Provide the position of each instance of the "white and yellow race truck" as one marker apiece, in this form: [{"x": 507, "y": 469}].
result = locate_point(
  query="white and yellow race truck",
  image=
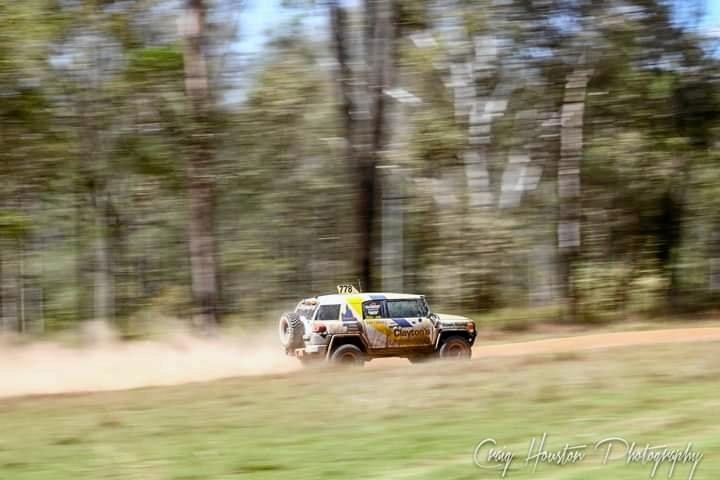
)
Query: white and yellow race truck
[{"x": 351, "y": 327}]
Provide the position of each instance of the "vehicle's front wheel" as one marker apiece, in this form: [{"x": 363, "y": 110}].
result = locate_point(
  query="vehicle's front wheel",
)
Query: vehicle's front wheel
[
  {"x": 348, "y": 355},
  {"x": 455, "y": 347}
]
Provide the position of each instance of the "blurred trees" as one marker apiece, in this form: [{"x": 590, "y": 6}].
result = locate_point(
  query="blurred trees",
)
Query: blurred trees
[{"x": 513, "y": 154}]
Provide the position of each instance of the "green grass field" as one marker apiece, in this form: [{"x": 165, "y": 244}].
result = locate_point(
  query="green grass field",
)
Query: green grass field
[{"x": 390, "y": 422}]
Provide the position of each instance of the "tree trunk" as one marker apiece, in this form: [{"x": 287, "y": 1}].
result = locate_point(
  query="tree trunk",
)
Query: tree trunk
[
  {"x": 9, "y": 285},
  {"x": 81, "y": 283},
  {"x": 94, "y": 255},
  {"x": 35, "y": 275},
  {"x": 2, "y": 292},
  {"x": 201, "y": 231},
  {"x": 364, "y": 113},
  {"x": 568, "y": 184},
  {"x": 103, "y": 281},
  {"x": 714, "y": 254}
]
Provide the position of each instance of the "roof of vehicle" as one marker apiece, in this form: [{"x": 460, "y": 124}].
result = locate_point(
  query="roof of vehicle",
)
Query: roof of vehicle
[{"x": 340, "y": 298}]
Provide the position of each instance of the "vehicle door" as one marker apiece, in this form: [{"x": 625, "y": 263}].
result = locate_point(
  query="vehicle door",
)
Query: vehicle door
[
  {"x": 377, "y": 329},
  {"x": 409, "y": 323}
]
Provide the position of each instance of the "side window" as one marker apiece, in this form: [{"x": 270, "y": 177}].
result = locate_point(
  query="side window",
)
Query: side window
[
  {"x": 328, "y": 312},
  {"x": 406, "y": 308},
  {"x": 373, "y": 309}
]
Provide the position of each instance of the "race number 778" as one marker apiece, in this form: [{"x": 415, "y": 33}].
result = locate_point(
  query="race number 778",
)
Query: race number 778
[{"x": 342, "y": 289}]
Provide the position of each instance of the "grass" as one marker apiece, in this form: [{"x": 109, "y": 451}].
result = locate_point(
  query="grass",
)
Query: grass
[
  {"x": 412, "y": 422},
  {"x": 520, "y": 320}
]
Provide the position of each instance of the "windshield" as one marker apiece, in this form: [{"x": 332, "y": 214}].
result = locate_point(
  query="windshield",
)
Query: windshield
[{"x": 406, "y": 308}]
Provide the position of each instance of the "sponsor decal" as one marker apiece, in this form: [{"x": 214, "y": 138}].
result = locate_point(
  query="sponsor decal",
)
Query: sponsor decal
[
  {"x": 401, "y": 322},
  {"x": 400, "y": 332}
]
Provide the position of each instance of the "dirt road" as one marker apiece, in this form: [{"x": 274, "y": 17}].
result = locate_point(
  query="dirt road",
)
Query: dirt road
[
  {"x": 48, "y": 368},
  {"x": 599, "y": 341}
]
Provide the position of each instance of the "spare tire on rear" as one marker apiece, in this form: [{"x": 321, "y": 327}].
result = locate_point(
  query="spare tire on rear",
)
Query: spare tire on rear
[{"x": 291, "y": 331}]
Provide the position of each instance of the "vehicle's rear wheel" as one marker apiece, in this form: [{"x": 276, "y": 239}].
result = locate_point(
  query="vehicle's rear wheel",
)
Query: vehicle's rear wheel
[
  {"x": 455, "y": 347},
  {"x": 291, "y": 331},
  {"x": 348, "y": 355}
]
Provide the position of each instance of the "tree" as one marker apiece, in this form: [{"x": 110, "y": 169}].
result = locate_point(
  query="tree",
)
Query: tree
[
  {"x": 201, "y": 185},
  {"x": 568, "y": 179},
  {"x": 362, "y": 83}
]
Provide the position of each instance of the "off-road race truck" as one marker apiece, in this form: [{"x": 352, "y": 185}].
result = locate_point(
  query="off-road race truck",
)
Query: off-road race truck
[{"x": 351, "y": 327}]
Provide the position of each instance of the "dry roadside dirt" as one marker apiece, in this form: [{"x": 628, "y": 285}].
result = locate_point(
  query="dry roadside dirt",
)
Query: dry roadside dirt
[
  {"x": 49, "y": 368},
  {"x": 599, "y": 341}
]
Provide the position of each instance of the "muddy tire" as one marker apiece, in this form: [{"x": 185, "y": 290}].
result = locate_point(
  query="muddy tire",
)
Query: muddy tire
[
  {"x": 455, "y": 348},
  {"x": 348, "y": 355},
  {"x": 291, "y": 331}
]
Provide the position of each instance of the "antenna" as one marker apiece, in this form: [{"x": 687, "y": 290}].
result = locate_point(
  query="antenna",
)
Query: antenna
[{"x": 360, "y": 287}]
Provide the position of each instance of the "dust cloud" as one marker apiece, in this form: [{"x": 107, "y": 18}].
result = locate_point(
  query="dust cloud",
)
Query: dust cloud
[
  {"x": 98, "y": 361},
  {"x": 101, "y": 362}
]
